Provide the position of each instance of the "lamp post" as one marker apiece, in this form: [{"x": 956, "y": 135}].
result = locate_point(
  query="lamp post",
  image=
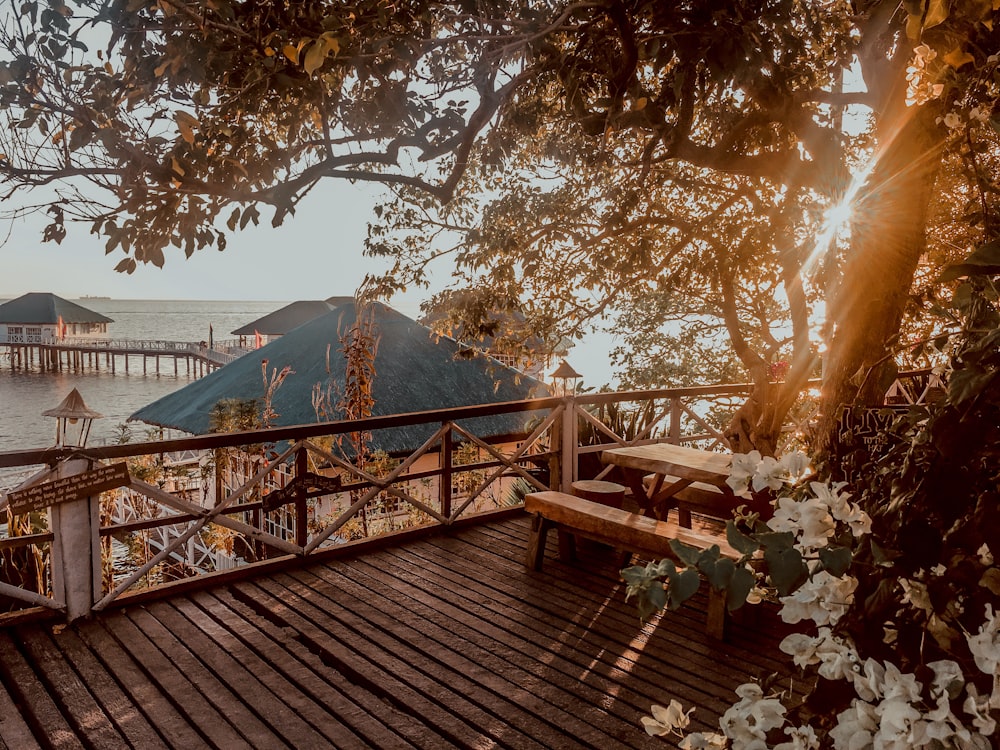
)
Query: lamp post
[
  {"x": 565, "y": 379},
  {"x": 73, "y": 421},
  {"x": 75, "y": 524}
]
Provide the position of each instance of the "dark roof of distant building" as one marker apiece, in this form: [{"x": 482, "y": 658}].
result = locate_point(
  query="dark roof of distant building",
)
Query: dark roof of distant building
[
  {"x": 287, "y": 318},
  {"x": 415, "y": 371},
  {"x": 43, "y": 308}
]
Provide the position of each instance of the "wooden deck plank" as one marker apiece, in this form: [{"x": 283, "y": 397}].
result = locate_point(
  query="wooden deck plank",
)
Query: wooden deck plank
[
  {"x": 178, "y": 687},
  {"x": 439, "y": 703},
  {"x": 508, "y": 692},
  {"x": 121, "y": 709},
  {"x": 354, "y": 718},
  {"x": 32, "y": 697},
  {"x": 14, "y": 731},
  {"x": 549, "y": 692},
  {"x": 595, "y": 653},
  {"x": 157, "y": 705},
  {"x": 440, "y": 642},
  {"x": 89, "y": 719},
  {"x": 350, "y": 718},
  {"x": 245, "y": 702}
]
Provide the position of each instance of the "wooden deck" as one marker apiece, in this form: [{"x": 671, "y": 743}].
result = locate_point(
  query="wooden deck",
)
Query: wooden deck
[{"x": 440, "y": 642}]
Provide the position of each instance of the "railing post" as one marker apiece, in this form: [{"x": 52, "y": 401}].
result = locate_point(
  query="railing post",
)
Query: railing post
[
  {"x": 76, "y": 547},
  {"x": 570, "y": 441},
  {"x": 675, "y": 420},
  {"x": 444, "y": 491},
  {"x": 301, "y": 522}
]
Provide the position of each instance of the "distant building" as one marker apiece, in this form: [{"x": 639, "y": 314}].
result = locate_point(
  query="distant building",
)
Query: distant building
[
  {"x": 416, "y": 370},
  {"x": 276, "y": 324},
  {"x": 44, "y": 318}
]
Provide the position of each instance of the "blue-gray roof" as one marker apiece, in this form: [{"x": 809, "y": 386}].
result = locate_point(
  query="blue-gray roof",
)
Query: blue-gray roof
[
  {"x": 290, "y": 316},
  {"x": 43, "y": 308},
  {"x": 416, "y": 370}
]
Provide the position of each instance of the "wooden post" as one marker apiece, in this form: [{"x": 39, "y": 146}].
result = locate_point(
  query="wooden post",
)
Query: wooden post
[
  {"x": 569, "y": 443},
  {"x": 301, "y": 525},
  {"x": 675, "y": 420},
  {"x": 76, "y": 547},
  {"x": 444, "y": 491}
]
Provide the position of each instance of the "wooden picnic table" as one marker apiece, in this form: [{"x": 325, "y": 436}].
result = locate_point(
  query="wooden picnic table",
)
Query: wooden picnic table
[{"x": 662, "y": 476}]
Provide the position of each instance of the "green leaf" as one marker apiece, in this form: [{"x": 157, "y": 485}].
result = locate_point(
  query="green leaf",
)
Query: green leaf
[
  {"x": 685, "y": 552},
  {"x": 786, "y": 568},
  {"x": 984, "y": 260},
  {"x": 836, "y": 560},
  {"x": 634, "y": 575},
  {"x": 657, "y": 597},
  {"x": 707, "y": 559},
  {"x": 776, "y": 540},
  {"x": 315, "y": 56},
  {"x": 968, "y": 383},
  {"x": 740, "y": 541},
  {"x": 739, "y": 588},
  {"x": 720, "y": 574},
  {"x": 682, "y": 587}
]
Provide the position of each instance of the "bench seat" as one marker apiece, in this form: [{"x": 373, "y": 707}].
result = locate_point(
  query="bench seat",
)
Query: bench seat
[{"x": 574, "y": 516}]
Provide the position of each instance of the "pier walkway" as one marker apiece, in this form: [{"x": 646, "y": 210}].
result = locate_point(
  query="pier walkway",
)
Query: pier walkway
[{"x": 82, "y": 354}]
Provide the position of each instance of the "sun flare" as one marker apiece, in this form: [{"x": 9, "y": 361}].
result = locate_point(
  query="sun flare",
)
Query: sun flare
[{"x": 837, "y": 218}]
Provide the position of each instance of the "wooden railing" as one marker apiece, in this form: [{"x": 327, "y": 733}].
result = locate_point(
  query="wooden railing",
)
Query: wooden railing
[{"x": 263, "y": 490}]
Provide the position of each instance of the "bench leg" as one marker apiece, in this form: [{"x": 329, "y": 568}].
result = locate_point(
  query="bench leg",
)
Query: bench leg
[
  {"x": 715, "y": 620},
  {"x": 536, "y": 543},
  {"x": 567, "y": 546}
]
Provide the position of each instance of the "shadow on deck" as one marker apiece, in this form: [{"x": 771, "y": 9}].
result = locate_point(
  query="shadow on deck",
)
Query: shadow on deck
[{"x": 441, "y": 642}]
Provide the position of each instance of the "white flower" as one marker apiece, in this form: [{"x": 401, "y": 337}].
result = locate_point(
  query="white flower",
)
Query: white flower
[
  {"x": 802, "y": 738},
  {"x": 795, "y": 465},
  {"x": 979, "y": 709},
  {"x": 666, "y": 720},
  {"x": 985, "y": 646},
  {"x": 741, "y": 468},
  {"x": 752, "y": 717},
  {"x": 840, "y": 508},
  {"x": 948, "y": 679},
  {"x": 869, "y": 680},
  {"x": 896, "y": 719},
  {"x": 809, "y": 520},
  {"x": 953, "y": 121},
  {"x": 770, "y": 474},
  {"x": 703, "y": 741},
  {"x": 985, "y": 556},
  {"x": 837, "y": 659},
  {"x": 856, "y": 727},
  {"x": 900, "y": 685},
  {"x": 822, "y": 599}
]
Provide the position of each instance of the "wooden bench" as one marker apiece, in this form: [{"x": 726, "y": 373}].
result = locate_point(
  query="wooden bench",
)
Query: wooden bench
[{"x": 573, "y": 516}]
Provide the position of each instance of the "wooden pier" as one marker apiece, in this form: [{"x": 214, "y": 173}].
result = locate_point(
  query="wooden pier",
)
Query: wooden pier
[{"x": 81, "y": 355}]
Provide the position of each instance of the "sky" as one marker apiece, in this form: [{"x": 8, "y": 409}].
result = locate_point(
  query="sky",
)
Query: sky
[{"x": 317, "y": 253}]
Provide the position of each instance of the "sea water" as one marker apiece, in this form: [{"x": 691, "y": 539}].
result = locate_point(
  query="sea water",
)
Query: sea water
[{"x": 24, "y": 395}]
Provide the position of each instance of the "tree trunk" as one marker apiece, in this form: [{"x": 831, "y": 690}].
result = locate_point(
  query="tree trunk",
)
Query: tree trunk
[{"x": 887, "y": 240}]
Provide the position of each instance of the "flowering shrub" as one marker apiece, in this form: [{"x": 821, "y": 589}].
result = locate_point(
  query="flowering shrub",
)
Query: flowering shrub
[{"x": 892, "y": 578}]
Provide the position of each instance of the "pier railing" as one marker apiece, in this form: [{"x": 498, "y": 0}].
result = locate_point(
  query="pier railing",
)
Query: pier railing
[{"x": 94, "y": 526}]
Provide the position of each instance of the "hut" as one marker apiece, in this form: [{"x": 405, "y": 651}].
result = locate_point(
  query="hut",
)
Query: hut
[
  {"x": 276, "y": 324},
  {"x": 44, "y": 318},
  {"x": 416, "y": 370}
]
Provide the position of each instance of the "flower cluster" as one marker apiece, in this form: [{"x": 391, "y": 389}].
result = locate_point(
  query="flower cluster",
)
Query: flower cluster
[
  {"x": 920, "y": 87},
  {"x": 891, "y": 709}
]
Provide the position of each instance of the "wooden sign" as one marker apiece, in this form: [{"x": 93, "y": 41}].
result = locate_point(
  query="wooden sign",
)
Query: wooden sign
[{"x": 69, "y": 488}]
